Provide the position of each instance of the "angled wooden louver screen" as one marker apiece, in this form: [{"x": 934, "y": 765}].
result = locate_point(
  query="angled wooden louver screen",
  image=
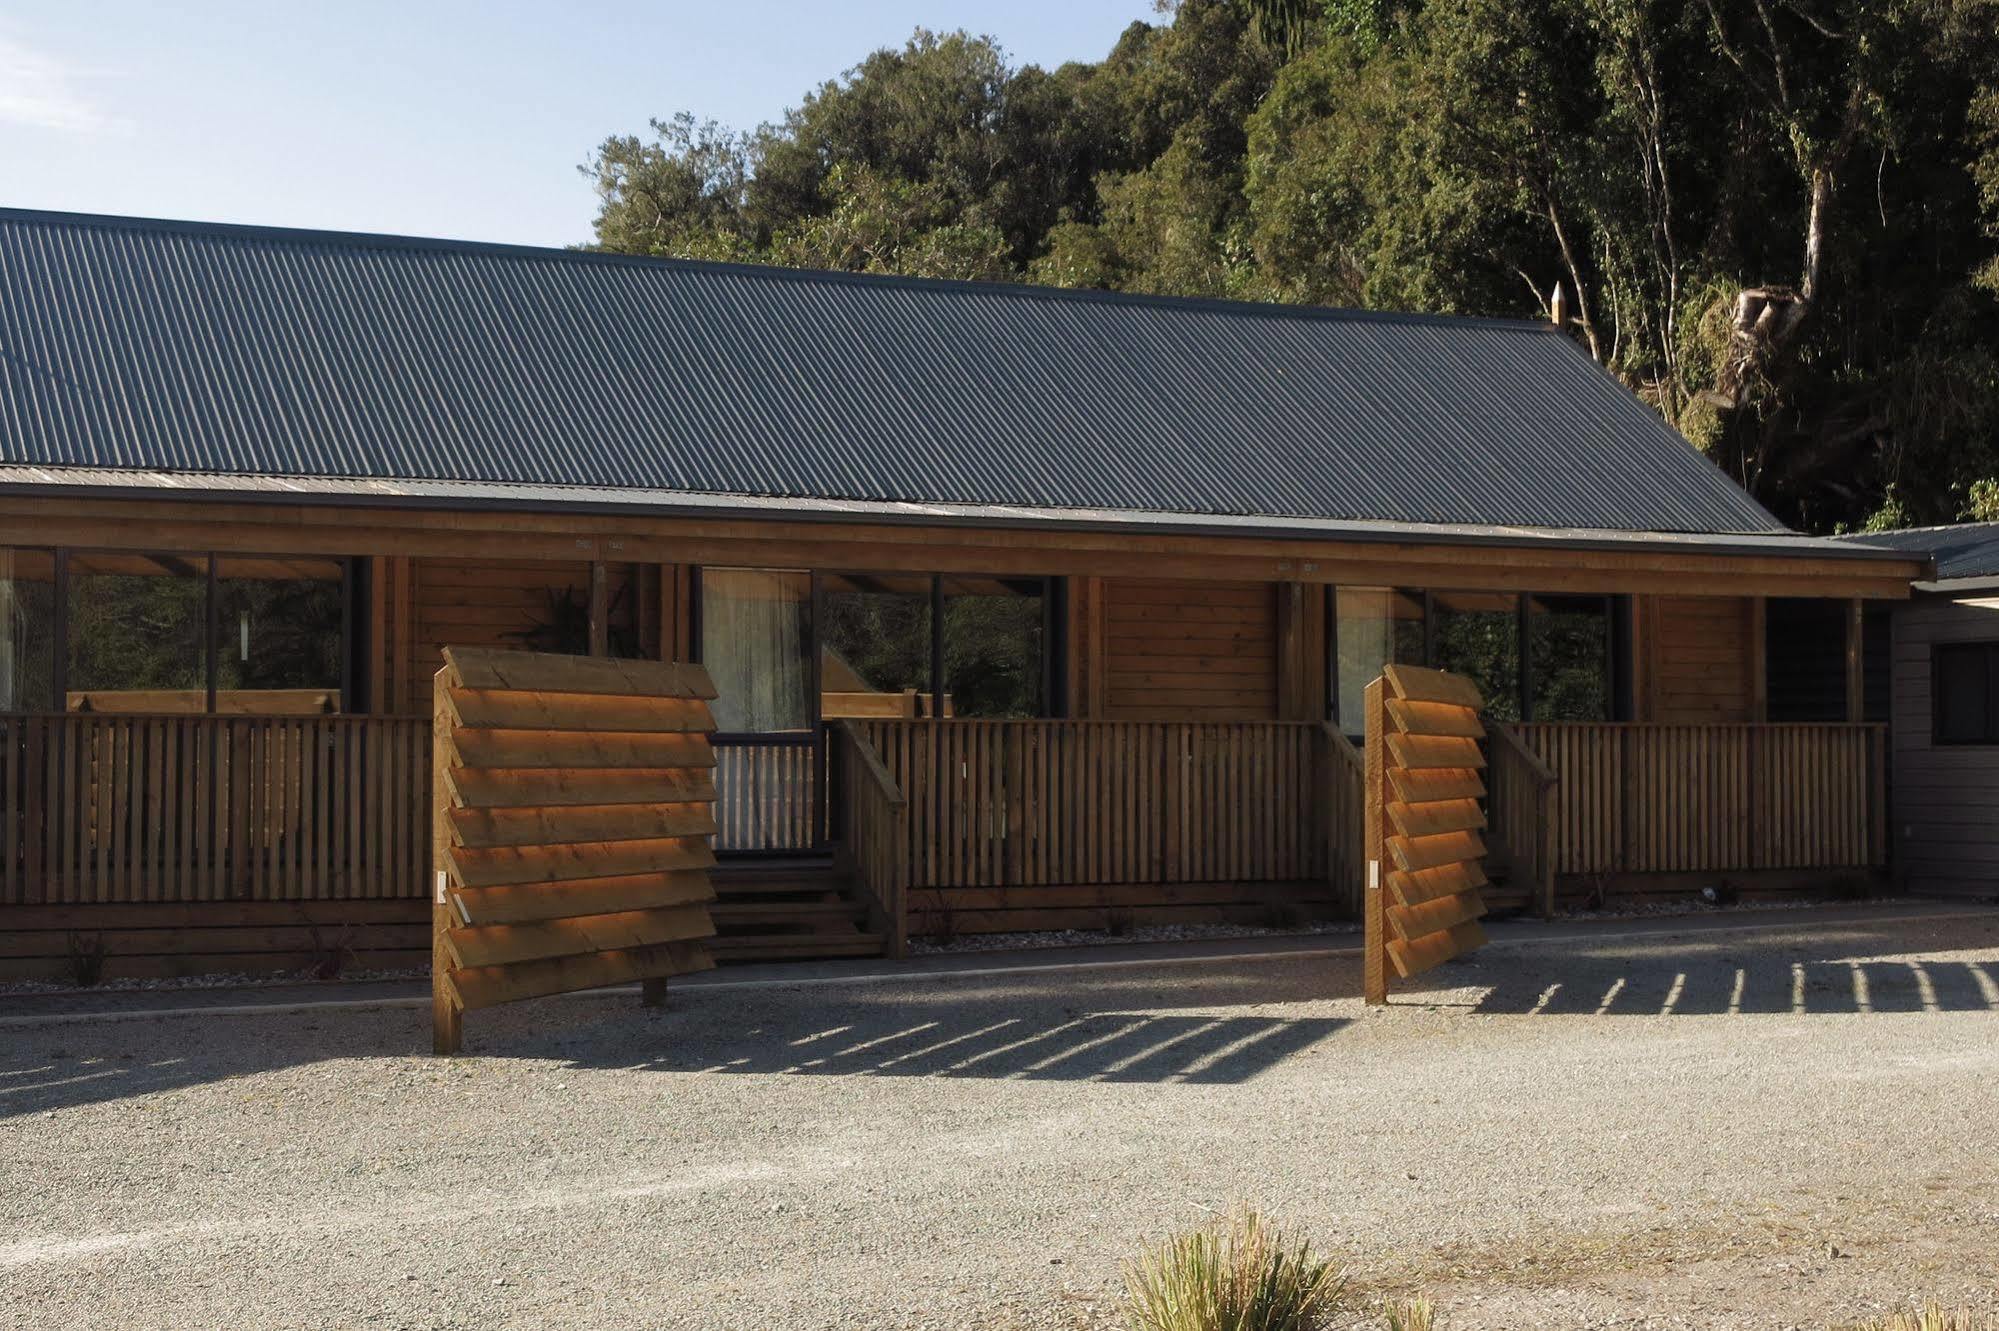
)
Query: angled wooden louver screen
[
  {"x": 1424, "y": 823},
  {"x": 573, "y": 801}
]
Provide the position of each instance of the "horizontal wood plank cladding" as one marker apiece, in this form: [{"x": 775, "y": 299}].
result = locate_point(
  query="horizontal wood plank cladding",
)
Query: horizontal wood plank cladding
[
  {"x": 491, "y": 602},
  {"x": 1191, "y": 651},
  {"x": 199, "y": 938},
  {"x": 1946, "y": 796},
  {"x": 1701, "y": 659}
]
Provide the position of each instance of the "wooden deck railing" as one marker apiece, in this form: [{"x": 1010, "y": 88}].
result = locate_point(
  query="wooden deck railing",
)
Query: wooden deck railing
[
  {"x": 1657, "y": 798},
  {"x": 1026, "y": 803},
  {"x": 1520, "y": 802},
  {"x": 132, "y": 809},
  {"x": 763, "y": 792},
  {"x": 874, "y": 833}
]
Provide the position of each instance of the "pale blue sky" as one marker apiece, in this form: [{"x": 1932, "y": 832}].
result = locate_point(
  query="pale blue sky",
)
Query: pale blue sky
[{"x": 440, "y": 119}]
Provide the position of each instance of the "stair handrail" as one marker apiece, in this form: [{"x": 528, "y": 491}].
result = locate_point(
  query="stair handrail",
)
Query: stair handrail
[
  {"x": 1341, "y": 820},
  {"x": 1508, "y": 750},
  {"x": 875, "y": 829}
]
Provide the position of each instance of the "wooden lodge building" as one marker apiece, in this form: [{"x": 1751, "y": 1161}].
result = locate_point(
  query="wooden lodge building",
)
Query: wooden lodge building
[{"x": 1027, "y": 608}]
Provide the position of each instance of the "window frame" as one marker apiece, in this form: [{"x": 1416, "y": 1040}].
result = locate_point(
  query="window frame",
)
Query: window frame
[
  {"x": 211, "y": 614},
  {"x": 1988, "y": 650}
]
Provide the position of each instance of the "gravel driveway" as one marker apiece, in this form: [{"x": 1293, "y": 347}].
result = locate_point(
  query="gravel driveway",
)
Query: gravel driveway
[{"x": 1773, "y": 1125}]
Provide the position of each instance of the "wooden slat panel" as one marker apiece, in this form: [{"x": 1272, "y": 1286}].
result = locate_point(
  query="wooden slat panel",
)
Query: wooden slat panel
[
  {"x": 521, "y": 903},
  {"x": 1421, "y": 684},
  {"x": 501, "y": 945},
  {"x": 1419, "y": 785},
  {"x": 501, "y": 710},
  {"x": 515, "y": 749},
  {"x": 540, "y": 672},
  {"x": 1424, "y": 751},
  {"x": 561, "y": 824},
  {"x": 1439, "y": 914},
  {"x": 1413, "y": 887},
  {"x": 547, "y": 864},
  {"x": 487, "y": 788},
  {"x": 1436, "y": 817},
  {"x": 1415, "y": 957},
  {"x": 1411, "y": 853},
  {"x": 491, "y": 985},
  {"x": 1434, "y": 718}
]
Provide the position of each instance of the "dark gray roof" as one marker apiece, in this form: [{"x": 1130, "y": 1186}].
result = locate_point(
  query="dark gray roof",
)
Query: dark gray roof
[
  {"x": 184, "y": 347},
  {"x": 1965, "y": 550}
]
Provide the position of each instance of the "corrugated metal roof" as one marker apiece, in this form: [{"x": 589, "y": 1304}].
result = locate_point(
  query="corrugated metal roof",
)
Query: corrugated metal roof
[
  {"x": 1964, "y": 550},
  {"x": 169, "y": 346}
]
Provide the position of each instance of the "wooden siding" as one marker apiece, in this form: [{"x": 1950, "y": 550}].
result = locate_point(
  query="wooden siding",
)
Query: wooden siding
[
  {"x": 151, "y": 940},
  {"x": 489, "y": 603},
  {"x": 1701, "y": 661},
  {"x": 1190, "y": 651},
  {"x": 1946, "y": 797}
]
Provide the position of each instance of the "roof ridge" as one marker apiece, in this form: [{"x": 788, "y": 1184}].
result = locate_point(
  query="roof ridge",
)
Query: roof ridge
[{"x": 382, "y": 240}]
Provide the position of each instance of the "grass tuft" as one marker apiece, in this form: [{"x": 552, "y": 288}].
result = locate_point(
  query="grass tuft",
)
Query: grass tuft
[
  {"x": 1933, "y": 1317},
  {"x": 1417, "y": 1314},
  {"x": 1240, "y": 1275}
]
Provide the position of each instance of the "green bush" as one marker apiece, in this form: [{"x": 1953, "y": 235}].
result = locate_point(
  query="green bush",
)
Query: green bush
[{"x": 1239, "y": 1275}]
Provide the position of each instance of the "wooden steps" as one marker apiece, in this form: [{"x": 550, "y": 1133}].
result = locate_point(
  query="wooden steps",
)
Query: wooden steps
[{"x": 788, "y": 910}]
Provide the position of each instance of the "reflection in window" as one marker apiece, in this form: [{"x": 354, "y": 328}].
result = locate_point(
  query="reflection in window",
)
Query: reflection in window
[
  {"x": 135, "y": 625},
  {"x": 27, "y": 631},
  {"x": 874, "y": 644},
  {"x": 993, "y": 648},
  {"x": 1477, "y": 634},
  {"x": 1966, "y": 693},
  {"x": 279, "y": 643},
  {"x": 755, "y": 624},
  {"x": 1569, "y": 657},
  {"x": 1374, "y": 626}
]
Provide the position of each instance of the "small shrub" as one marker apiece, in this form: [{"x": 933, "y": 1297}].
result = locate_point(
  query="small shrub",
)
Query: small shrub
[
  {"x": 330, "y": 954},
  {"x": 1240, "y": 1275},
  {"x": 84, "y": 963},
  {"x": 1417, "y": 1314},
  {"x": 1932, "y": 1318}
]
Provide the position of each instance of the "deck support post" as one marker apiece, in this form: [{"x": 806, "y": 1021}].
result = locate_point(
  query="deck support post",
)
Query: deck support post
[
  {"x": 1856, "y": 683},
  {"x": 1374, "y": 953}
]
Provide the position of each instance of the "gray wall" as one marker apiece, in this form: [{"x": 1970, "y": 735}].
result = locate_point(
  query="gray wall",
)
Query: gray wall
[{"x": 1946, "y": 799}]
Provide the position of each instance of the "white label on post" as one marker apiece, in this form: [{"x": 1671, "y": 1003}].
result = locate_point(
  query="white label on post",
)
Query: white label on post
[
  {"x": 1374, "y": 875},
  {"x": 441, "y": 882}
]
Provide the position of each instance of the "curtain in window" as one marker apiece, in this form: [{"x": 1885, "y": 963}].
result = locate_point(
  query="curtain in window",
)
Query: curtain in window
[
  {"x": 756, "y": 625},
  {"x": 1374, "y": 626}
]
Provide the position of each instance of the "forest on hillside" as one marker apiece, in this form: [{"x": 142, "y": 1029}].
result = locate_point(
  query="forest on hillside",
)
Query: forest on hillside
[{"x": 1778, "y": 220}]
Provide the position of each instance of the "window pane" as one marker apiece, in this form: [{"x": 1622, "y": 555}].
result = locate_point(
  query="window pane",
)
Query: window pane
[
  {"x": 1964, "y": 698},
  {"x": 875, "y": 646},
  {"x": 1375, "y": 626},
  {"x": 1477, "y": 634},
  {"x": 755, "y": 627},
  {"x": 1570, "y": 657},
  {"x": 993, "y": 646},
  {"x": 136, "y": 624},
  {"x": 280, "y": 642},
  {"x": 27, "y": 631}
]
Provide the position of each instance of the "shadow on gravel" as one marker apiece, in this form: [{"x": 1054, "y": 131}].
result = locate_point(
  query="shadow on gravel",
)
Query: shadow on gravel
[
  {"x": 1849, "y": 970},
  {"x": 1098, "y": 1030}
]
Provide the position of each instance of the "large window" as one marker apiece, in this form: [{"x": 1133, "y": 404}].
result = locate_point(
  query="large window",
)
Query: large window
[
  {"x": 874, "y": 644},
  {"x": 1372, "y": 627},
  {"x": 995, "y": 649},
  {"x": 27, "y": 630},
  {"x": 1477, "y": 634},
  {"x": 136, "y": 627},
  {"x": 1965, "y": 692},
  {"x": 1569, "y": 658},
  {"x": 756, "y": 635},
  {"x": 117, "y": 631},
  {"x": 1541, "y": 658}
]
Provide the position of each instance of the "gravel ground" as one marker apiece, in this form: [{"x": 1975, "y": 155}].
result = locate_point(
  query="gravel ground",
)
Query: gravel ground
[{"x": 1778, "y": 1124}]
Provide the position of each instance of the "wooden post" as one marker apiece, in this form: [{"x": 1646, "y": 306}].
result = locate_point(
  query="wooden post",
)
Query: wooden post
[
  {"x": 447, "y": 1020},
  {"x": 378, "y": 636},
  {"x": 1759, "y": 663},
  {"x": 1856, "y": 684},
  {"x": 402, "y": 651},
  {"x": 600, "y": 610},
  {"x": 1374, "y": 950}
]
